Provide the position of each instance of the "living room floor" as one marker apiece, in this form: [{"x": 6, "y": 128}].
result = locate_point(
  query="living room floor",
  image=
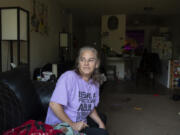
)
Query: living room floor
[{"x": 143, "y": 109}]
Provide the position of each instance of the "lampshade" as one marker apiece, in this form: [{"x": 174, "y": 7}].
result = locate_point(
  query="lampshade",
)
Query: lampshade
[
  {"x": 63, "y": 39},
  {"x": 13, "y": 21}
]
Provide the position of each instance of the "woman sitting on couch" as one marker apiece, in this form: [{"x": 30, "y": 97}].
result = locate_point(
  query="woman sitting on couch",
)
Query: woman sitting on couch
[{"x": 77, "y": 94}]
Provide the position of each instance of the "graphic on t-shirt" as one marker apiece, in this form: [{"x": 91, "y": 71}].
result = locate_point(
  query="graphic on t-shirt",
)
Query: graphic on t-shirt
[{"x": 87, "y": 101}]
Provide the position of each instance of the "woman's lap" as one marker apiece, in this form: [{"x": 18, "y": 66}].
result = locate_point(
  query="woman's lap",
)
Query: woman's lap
[
  {"x": 94, "y": 131},
  {"x": 93, "y": 128}
]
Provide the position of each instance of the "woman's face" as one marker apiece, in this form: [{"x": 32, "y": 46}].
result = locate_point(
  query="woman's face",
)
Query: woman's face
[{"x": 87, "y": 62}]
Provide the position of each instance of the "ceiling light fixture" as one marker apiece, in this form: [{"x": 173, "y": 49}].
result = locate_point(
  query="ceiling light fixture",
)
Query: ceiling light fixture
[{"x": 148, "y": 9}]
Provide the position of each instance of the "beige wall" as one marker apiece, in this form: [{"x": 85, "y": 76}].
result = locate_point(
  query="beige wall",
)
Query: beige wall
[
  {"x": 115, "y": 38},
  {"x": 44, "y": 48}
]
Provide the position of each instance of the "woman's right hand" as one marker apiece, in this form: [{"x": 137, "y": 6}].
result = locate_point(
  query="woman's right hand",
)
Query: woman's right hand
[{"x": 78, "y": 126}]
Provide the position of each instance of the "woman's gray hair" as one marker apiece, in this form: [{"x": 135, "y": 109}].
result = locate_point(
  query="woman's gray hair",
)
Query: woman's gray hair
[{"x": 95, "y": 75}]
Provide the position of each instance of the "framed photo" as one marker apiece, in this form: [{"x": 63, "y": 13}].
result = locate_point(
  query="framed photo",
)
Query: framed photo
[{"x": 63, "y": 38}]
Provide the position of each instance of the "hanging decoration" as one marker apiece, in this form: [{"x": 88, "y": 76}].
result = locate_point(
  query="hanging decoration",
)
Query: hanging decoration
[{"x": 39, "y": 17}]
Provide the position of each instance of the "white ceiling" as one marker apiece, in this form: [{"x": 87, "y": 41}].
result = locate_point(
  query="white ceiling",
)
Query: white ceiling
[{"x": 100, "y": 7}]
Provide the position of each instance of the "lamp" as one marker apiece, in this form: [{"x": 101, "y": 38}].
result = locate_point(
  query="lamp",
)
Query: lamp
[
  {"x": 14, "y": 28},
  {"x": 64, "y": 41}
]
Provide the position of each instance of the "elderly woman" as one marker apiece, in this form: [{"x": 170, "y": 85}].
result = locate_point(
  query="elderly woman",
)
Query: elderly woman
[{"x": 77, "y": 94}]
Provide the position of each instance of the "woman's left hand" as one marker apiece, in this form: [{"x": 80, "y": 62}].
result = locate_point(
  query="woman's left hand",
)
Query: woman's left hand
[{"x": 101, "y": 125}]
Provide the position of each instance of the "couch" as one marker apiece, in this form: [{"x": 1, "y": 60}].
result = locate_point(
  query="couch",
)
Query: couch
[{"x": 22, "y": 99}]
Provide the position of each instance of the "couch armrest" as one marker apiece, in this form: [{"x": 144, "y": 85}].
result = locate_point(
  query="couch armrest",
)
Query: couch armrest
[
  {"x": 11, "y": 113},
  {"x": 44, "y": 90}
]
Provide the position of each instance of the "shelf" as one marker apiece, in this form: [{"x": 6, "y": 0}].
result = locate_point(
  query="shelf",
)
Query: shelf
[{"x": 175, "y": 74}]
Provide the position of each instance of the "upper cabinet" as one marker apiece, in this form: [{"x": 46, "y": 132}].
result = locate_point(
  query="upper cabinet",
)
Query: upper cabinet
[{"x": 113, "y": 29}]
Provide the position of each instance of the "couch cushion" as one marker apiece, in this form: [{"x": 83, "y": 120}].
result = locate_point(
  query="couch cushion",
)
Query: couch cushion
[
  {"x": 19, "y": 81},
  {"x": 44, "y": 90}
]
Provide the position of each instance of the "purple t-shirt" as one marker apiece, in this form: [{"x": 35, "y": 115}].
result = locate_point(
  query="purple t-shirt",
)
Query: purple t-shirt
[{"x": 77, "y": 96}]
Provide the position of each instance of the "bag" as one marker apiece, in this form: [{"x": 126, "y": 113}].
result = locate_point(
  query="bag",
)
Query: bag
[
  {"x": 67, "y": 129},
  {"x": 33, "y": 127}
]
